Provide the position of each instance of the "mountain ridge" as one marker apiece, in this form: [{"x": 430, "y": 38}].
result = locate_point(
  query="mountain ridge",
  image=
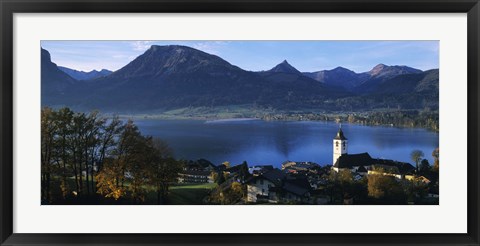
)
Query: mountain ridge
[
  {"x": 174, "y": 76},
  {"x": 53, "y": 81},
  {"x": 82, "y": 75}
]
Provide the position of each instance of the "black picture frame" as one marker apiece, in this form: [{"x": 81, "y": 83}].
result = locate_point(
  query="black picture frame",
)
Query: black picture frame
[{"x": 9, "y": 7}]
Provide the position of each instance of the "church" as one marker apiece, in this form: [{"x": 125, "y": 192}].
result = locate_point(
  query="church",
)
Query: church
[{"x": 362, "y": 163}]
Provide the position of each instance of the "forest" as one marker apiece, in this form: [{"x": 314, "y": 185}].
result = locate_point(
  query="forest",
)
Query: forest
[
  {"x": 90, "y": 159},
  {"x": 398, "y": 118}
]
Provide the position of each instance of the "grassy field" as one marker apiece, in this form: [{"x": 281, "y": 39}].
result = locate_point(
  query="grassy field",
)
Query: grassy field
[
  {"x": 191, "y": 194},
  {"x": 203, "y": 113},
  {"x": 180, "y": 194}
]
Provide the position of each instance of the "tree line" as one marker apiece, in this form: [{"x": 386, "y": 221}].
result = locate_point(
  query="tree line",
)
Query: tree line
[
  {"x": 399, "y": 118},
  {"x": 85, "y": 155}
]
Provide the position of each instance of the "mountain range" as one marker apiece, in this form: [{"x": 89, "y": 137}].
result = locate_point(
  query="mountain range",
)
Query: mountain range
[
  {"x": 170, "y": 77},
  {"x": 81, "y": 75}
]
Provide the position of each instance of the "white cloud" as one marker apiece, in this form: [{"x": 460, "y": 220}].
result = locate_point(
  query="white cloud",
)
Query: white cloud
[
  {"x": 211, "y": 47},
  {"x": 141, "y": 45}
]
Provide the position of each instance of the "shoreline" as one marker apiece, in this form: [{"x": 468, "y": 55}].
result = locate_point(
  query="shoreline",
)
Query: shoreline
[
  {"x": 230, "y": 120},
  {"x": 210, "y": 120}
]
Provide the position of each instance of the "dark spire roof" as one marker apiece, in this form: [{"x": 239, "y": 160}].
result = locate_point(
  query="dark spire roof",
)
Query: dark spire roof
[{"x": 340, "y": 135}]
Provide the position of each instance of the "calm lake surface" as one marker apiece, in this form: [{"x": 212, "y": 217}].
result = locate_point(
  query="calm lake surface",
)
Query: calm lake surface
[{"x": 273, "y": 142}]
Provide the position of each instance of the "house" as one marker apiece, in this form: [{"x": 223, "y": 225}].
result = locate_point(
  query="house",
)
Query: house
[
  {"x": 259, "y": 169},
  {"x": 238, "y": 172},
  {"x": 299, "y": 167},
  {"x": 417, "y": 178},
  {"x": 275, "y": 186},
  {"x": 296, "y": 191},
  {"x": 288, "y": 164},
  {"x": 200, "y": 165},
  {"x": 265, "y": 187},
  {"x": 195, "y": 176},
  {"x": 198, "y": 171}
]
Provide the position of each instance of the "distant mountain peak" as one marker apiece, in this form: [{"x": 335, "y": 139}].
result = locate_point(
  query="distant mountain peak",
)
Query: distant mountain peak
[
  {"x": 82, "y": 75},
  {"x": 54, "y": 81},
  {"x": 177, "y": 48},
  {"x": 342, "y": 69},
  {"x": 284, "y": 67},
  {"x": 339, "y": 76},
  {"x": 377, "y": 69},
  {"x": 384, "y": 70},
  {"x": 45, "y": 55},
  {"x": 163, "y": 60}
]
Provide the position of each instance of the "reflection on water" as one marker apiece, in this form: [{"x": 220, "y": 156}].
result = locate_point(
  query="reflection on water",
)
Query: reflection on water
[{"x": 273, "y": 142}]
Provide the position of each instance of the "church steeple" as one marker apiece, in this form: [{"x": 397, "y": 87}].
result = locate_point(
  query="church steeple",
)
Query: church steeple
[
  {"x": 340, "y": 135},
  {"x": 340, "y": 145}
]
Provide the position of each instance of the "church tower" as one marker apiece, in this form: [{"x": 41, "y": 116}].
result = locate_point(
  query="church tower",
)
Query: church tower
[{"x": 340, "y": 145}]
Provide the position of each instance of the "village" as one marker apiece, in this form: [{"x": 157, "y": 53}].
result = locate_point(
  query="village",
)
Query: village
[{"x": 352, "y": 179}]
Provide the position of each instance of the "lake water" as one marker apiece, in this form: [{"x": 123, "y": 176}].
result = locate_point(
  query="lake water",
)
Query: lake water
[{"x": 273, "y": 142}]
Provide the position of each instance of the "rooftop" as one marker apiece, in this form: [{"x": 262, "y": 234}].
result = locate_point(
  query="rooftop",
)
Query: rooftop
[{"x": 350, "y": 160}]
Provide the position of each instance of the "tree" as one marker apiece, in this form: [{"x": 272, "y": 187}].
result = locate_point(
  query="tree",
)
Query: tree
[
  {"x": 107, "y": 183},
  {"x": 416, "y": 156},
  {"x": 344, "y": 177},
  {"x": 71, "y": 148},
  {"x": 332, "y": 186},
  {"x": 108, "y": 136},
  {"x": 64, "y": 118},
  {"x": 340, "y": 183},
  {"x": 163, "y": 169},
  {"x": 48, "y": 131},
  {"x": 416, "y": 190},
  {"x": 125, "y": 150},
  {"x": 220, "y": 178},
  {"x": 140, "y": 157},
  {"x": 235, "y": 193},
  {"x": 164, "y": 173},
  {"x": 127, "y": 162},
  {"x": 83, "y": 130},
  {"x": 91, "y": 141},
  {"x": 243, "y": 173},
  {"x": 228, "y": 194},
  {"x": 106, "y": 157},
  {"x": 227, "y": 164},
  {"x": 385, "y": 188},
  {"x": 435, "y": 155},
  {"x": 214, "y": 175},
  {"x": 424, "y": 166},
  {"x": 162, "y": 149}
]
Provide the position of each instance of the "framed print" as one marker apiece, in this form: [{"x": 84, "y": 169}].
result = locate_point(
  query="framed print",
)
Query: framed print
[{"x": 265, "y": 122}]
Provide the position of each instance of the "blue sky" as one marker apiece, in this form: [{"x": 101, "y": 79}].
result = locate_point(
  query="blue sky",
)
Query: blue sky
[{"x": 306, "y": 56}]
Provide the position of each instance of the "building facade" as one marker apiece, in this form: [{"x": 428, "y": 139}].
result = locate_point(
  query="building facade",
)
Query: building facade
[{"x": 340, "y": 145}]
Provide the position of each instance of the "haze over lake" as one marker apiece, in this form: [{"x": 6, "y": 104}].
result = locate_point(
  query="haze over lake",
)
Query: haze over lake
[{"x": 273, "y": 142}]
